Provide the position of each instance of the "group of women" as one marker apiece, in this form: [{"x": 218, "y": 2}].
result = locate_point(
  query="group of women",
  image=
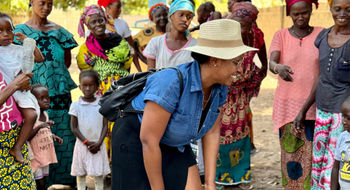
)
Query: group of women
[{"x": 152, "y": 149}]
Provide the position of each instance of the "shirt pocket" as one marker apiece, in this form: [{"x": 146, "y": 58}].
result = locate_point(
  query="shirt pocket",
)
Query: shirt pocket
[{"x": 343, "y": 69}]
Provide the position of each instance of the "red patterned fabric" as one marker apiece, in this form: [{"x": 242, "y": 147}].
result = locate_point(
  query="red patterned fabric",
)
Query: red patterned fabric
[
  {"x": 289, "y": 3},
  {"x": 105, "y": 3}
]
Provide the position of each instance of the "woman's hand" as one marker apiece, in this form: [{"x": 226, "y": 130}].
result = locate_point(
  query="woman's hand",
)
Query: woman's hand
[
  {"x": 298, "y": 123},
  {"x": 22, "y": 81},
  {"x": 93, "y": 147},
  {"x": 284, "y": 72},
  {"x": 57, "y": 139},
  {"x": 20, "y": 37}
]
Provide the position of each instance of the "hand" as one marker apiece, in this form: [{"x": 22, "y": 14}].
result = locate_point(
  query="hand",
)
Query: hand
[
  {"x": 22, "y": 81},
  {"x": 57, "y": 139},
  {"x": 298, "y": 123},
  {"x": 20, "y": 37},
  {"x": 284, "y": 72},
  {"x": 94, "y": 147}
]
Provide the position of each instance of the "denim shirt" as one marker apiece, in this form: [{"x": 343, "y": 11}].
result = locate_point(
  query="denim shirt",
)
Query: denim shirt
[{"x": 163, "y": 88}]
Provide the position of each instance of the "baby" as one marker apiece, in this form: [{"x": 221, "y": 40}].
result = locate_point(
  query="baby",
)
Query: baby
[{"x": 15, "y": 59}]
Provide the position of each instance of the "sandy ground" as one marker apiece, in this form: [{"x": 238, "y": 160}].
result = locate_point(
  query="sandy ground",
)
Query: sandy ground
[{"x": 265, "y": 165}]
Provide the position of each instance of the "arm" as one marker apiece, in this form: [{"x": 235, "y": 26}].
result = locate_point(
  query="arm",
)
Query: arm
[
  {"x": 283, "y": 71},
  {"x": 36, "y": 129},
  {"x": 139, "y": 54},
  {"x": 263, "y": 58},
  {"x": 67, "y": 58},
  {"x": 335, "y": 176},
  {"x": 21, "y": 82},
  {"x": 298, "y": 122},
  {"x": 151, "y": 63},
  {"x": 76, "y": 131},
  {"x": 154, "y": 123},
  {"x": 136, "y": 59},
  {"x": 210, "y": 143},
  {"x": 38, "y": 57}
]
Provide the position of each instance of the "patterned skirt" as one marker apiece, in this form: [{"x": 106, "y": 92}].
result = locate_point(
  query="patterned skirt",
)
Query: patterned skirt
[
  {"x": 14, "y": 175},
  {"x": 296, "y": 156},
  {"x": 327, "y": 129},
  {"x": 58, "y": 112}
]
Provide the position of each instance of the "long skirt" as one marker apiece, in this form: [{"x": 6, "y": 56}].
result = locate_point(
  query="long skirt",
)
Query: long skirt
[
  {"x": 128, "y": 171},
  {"x": 58, "y": 112},
  {"x": 14, "y": 175},
  {"x": 327, "y": 129},
  {"x": 296, "y": 156},
  {"x": 233, "y": 163}
]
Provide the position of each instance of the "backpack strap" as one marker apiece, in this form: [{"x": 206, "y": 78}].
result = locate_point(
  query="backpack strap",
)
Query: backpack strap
[{"x": 180, "y": 79}]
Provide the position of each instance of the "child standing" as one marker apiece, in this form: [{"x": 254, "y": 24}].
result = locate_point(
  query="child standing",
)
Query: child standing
[
  {"x": 10, "y": 67},
  {"x": 88, "y": 125},
  {"x": 41, "y": 139},
  {"x": 341, "y": 168}
]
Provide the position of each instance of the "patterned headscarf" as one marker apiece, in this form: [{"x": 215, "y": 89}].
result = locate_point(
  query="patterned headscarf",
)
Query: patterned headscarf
[
  {"x": 105, "y": 3},
  {"x": 289, "y": 3},
  {"x": 85, "y": 17},
  {"x": 181, "y": 5},
  {"x": 154, "y": 8},
  {"x": 245, "y": 10}
]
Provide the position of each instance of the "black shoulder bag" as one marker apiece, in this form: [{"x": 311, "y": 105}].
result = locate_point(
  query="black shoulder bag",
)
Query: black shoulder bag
[{"x": 124, "y": 90}]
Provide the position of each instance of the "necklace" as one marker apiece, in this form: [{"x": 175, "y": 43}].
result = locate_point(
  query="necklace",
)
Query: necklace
[
  {"x": 308, "y": 31},
  {"x": 205, "y": 101}
]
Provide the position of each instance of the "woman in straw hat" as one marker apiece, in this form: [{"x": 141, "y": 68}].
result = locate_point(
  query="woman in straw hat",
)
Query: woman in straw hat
[
  {"x": 294, "y": 58},
  {"x": 235, "y": 140},
  {"x": 151, "y": 150}
]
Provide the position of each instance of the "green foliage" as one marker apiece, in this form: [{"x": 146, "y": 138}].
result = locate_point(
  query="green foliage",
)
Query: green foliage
[{"x": 135, "y": 7}]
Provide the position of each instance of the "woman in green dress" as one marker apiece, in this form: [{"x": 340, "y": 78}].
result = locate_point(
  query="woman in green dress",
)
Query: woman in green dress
[{"x": 55, "y": 44}]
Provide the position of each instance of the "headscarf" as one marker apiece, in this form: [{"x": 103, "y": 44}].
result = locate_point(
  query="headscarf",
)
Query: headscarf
[
  {"x": 85, "y": 16},
  {"x": 154, "y": 8},
  {"x": 181, "y": 5},
  {"x": 105, "y": 3},
  {"x": 245, "y": 10},
  {"x": 289, "y": 3}
]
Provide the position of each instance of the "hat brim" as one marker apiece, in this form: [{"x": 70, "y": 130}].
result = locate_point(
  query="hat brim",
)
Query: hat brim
[{"x": 221, "y": 53}]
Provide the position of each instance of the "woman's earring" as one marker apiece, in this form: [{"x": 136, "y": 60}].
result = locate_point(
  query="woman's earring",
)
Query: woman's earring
[{"x": 214, "y": 65}]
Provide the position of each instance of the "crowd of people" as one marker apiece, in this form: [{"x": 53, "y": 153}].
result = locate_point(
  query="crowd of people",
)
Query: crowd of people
[{"x": 191, "y": 126}]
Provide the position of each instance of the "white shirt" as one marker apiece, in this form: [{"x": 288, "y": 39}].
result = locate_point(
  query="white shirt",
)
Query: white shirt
[
  {"x": 90, "y": 121},
  {"x": 158, "y": 50},
  {"x": 122, "y": 28}
]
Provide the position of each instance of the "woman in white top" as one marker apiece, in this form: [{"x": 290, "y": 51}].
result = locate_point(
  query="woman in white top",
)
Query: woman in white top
[{"x": 166, "y": 50}]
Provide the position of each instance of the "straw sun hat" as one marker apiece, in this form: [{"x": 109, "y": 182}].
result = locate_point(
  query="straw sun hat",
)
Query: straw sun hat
[{"x": 220, "y": 39}]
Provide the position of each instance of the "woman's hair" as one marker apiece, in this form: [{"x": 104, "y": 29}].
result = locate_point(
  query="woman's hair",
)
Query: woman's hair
[
  {"x": 35, "y": 87},
  {"x": 90, "y": 73},
  {"x": 207, "y": 6},
  {"x": 200, "y": 58},
  {"x": 7, "y": 17}
]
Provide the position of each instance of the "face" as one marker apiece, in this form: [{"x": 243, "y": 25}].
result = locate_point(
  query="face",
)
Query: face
[
  {"x": 181, "y": 20},
  {"x": 97, "y": 25},
  {"x": 42, "y": 95},
  {"x": 228, "y": 69},
  {"x": 88, "y": 86},
  {"x": 6, "y": 32},
  {"x": 160, "y": 17},
  {"x": 346, "y": 116},
  {"x": 300, "y": 13},
  {"x": 341, "y": 12},
  {"x": 202, "y": 16},
  {"x": 245, "y": 26},
  {"x": 114, "y": 9},
  {"x": 42, "y": 8}
]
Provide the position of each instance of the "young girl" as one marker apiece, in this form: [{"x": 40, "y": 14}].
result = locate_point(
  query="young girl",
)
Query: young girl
[
  {"x": 10, "y": 66},
  {"x": 41, "y": 139},
  {"x": 90, "y": 128}
]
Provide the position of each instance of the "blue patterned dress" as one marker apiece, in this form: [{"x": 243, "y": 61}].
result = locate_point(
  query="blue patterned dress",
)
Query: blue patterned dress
[{"x": 54, "y": 74}]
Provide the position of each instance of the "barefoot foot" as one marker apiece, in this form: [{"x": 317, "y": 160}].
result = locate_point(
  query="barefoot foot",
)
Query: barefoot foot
[{"x": 18, "y": 155}]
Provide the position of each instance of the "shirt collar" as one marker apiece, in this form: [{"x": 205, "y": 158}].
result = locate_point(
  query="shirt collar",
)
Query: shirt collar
[
  {"x": 195, "y": 74},
  {"x": 82, "y": 102}
]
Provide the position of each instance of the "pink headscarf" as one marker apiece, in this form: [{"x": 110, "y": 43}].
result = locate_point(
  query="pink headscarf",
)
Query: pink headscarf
[
  {"x": 245, "y": 10},
  {"x": 85, "y": 16},
  {"x": 289, "y": 3}
]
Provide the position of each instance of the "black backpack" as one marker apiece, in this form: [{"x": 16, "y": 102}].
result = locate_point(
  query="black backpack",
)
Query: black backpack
[{"x": 124, "y": 90}]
